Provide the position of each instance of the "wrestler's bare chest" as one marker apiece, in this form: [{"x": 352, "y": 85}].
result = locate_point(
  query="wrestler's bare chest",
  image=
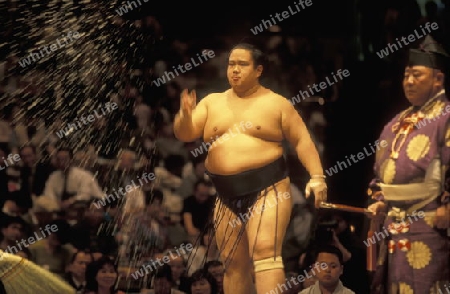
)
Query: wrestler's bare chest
[{"x": 258, "y": 117}]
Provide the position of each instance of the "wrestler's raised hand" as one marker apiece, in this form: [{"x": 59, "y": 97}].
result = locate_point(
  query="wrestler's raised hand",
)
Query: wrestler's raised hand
[
  {"x": 188, "y": 102},
  {"x": 319, "y": 188}
]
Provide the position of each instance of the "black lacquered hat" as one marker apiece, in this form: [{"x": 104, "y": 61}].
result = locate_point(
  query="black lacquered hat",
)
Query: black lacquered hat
[{"x": 430, "y": 54}]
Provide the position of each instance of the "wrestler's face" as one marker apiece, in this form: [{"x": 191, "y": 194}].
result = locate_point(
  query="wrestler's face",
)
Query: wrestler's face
[
  {"x": 421, "y": 83},
  {"x": 330, "y": 275},
  {"x": 242, "y": 73}
]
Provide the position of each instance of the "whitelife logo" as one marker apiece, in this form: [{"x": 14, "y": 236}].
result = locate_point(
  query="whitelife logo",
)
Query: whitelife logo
[
  {"x": 244, "y": 217},
  {"x": 342, "y": 165},
  {"x": 151, "y": 265},
  {"x": 72, "y": 127},
  {"x": 411, "y": 38},
  {"x": 31, "y": 240},
  {"x": 314, "y": 89},
  {"x": 445, "y": 111},
  {"x": 281, "y": 16},
  {"x": 286, "y": 287},
  {"x": 168, "y": 75},
  {"x": 396, "y": 226},
  {"x": 53, "y": 47},
  {"x": 219, "y": 140},
  {"x": 124, "y": 8},
  {"x": 120, "y": 193},
  {"x": 10, "y": 158}
]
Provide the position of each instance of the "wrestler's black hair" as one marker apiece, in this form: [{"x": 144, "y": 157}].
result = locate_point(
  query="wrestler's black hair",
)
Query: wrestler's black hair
[
  {"x": 329, "y": 249},
  {"x": 259, "y": 58}
]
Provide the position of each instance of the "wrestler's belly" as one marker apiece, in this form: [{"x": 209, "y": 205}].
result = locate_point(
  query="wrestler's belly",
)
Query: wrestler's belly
[{"x": 241, "y": 153}]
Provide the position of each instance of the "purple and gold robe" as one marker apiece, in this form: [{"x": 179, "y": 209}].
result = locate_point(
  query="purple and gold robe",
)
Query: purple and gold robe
[{"x": 410, "y": 172}]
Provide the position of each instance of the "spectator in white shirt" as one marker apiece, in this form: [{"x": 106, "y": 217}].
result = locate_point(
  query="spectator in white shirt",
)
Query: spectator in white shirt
[
  {"x": 329, "y": 268},
  {"x": 67, "y": 185}
]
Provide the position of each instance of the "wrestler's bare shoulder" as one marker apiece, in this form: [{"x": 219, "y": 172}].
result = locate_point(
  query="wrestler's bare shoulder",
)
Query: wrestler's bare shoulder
[
  {"x": 264, "y": 99},
  {"x": 208, "y": 99}
]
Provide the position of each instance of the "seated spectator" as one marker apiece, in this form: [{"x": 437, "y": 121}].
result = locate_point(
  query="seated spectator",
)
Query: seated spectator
[
  {"x": 151, "y": 225},
  {"x": 169, "y": 180},
  {"x": 76, "y": 272},
  {"x": 52, "y": 252},
  {"x": 167, "y": 143},
  {"x": 216, "y": 269},
  {"x": 29, "y": 175},
  {"x": 203, "y": 282},
  {"x": 101, "y": 277},
  {"x": 162, "y": 283},
  {"x": 142, "y": 112},
  {"x": 192, "y": 175},
  {"x": 178, "y": 268},
  {"x": 204, "y": 251},
  {"x": 67, "y": 185},
  {"x": 3, "y": 176},
  {"x": 355, "y": 276},
  {"x": 93, "y": 232},
  {"x": 328, "y": 280},
  {"x": 12, "y": 232},
  {"x": 170, "y": 174},
  {"x": 197, "y": 209},
  {"x": 14, "y": 204}
]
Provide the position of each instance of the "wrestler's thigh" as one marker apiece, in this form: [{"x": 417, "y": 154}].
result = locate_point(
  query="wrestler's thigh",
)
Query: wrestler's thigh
[
  {"x": 269, "y": 221},
  {"x": 231, "y": 237}
]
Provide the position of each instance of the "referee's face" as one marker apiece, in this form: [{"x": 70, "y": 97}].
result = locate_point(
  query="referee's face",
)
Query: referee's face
[{"x": 421, "y": 83}]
